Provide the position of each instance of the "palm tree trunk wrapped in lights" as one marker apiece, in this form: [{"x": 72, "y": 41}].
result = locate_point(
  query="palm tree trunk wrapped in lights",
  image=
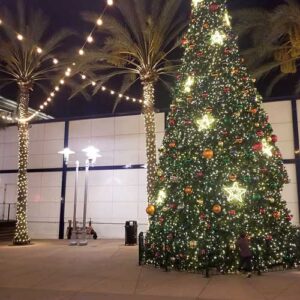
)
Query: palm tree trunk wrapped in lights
[
  {"x": 27, "y": 61},
  {"x": 138, "y": 48},
  {"x": 21, "y": 234},
  {"x": 149, "y": 116}
]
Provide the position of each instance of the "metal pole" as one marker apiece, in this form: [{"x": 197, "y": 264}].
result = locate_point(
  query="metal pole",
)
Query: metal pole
[
  {"x": 73, "y": 241},
  {"x": 83, "y": 241},
  {"x": 8, "y": 212},
  {"x": 4, "y": 201}
]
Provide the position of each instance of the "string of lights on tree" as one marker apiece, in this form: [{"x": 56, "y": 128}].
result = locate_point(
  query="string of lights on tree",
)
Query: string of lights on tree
[
  {"x": 68, "y": 73},
  {"x": 220, "y": 171}
]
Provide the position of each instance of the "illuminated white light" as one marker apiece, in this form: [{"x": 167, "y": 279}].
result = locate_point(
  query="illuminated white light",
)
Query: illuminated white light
[
  {"x": 41, "y": 106},
  {"x": 81, "y": 52},
  {"x": 56, "y": 88},
  {"x": 0, "y": 21},
  {"x": 61, "y": 81},
  {"x": 93, "y": 83},
  {"x": 110, "y": 2},
  {"x": 205, "y": 122},
  {"x": 52, "y": 94},
  {"x": 195, "y": 2},
  {"x": 227, "y": 19},
  {"x": 127, "y": 98},
  {"x": 66, "y": 153},
  {"x": 120, "y": 95},
  {"x": 20, "y": 37},
  {"x": 49, "y": 99},
  {"x": 55, "y": 61},
  {"x": 83, "y": 76},
  {"x": 89, "y": 39},
  {"x": 92, "y": 153},
  {"x": 39, "y": 50},
  {"x": 162, "y": 195},
  {"x": 188, "y": 84},
  {"x": 267, "y": 149},
  {"x": 112, "y": 92},
  {"x": 235, "y": 192},
  {"x": 99, "y": 22},
  {"x": 217, "y": 38},
  {"x": 103, "y": 88}
]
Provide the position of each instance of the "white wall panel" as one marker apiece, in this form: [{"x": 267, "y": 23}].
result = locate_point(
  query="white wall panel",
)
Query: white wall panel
[
  {"x": 127, "y": 125},
  {"x": 79, "y": 129},
  {"x": 54, "y": 131},
  {"x": 103, "y": 127},
  {"x": 37, "y": 132},
  {"x": 11, "y": 135},
  {"x": 279, "y": 112}
]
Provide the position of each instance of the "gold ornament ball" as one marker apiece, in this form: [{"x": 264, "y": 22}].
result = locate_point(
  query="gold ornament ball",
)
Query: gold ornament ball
[
  {"x": 150, "y": 210},
  {"x": 221, "y": 144},
  {"x": 232, "y": 177},
  {"x": 217, "y": 208},
  {"x": 193, "y": 244},
  {"x": 208, "y": 154},
  {"x": 160, "y": 172},
  {"x": 188, "y": 190},
  {"x": 200, "y": 201}
]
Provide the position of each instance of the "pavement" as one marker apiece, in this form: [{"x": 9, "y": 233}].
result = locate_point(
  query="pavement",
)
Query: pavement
[{"x": 106, "y": 269}]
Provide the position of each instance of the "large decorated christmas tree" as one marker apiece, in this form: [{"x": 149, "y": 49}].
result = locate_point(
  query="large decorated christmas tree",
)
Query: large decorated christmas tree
[{"x": 220, "y": 171}]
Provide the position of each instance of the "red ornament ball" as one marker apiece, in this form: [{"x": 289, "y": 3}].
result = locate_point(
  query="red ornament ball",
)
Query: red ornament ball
[
  {"x": 172, "y": 122},
  {"x": 226, "y": 89},
  {"x": 172, "y": 144},
  {"x": 187, "y": 122},
  {"x": 274, "y": 138},
  {"x": 259, "y": 133},
  {"x": 200, "y": 54},
  {"x": 227, "y": 51},
  {"x": 257, "y": 147},
  {"x": 205, "y": 95},
  {"x": 199, "y": 174},
  {"x": 276, "y": 214},
  {"x": 262, "y": 211},
  {"x": 232, "y": 212},
  {"x": 184, "y": 41},
  {"x": 214, "y": 7}
]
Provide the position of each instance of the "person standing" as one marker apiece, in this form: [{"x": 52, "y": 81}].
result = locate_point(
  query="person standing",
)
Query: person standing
[{"x": 243, "y": 245}]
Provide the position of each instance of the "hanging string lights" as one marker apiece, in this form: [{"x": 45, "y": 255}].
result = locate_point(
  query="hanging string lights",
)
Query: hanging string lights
[{"x": 68, "y": 73}]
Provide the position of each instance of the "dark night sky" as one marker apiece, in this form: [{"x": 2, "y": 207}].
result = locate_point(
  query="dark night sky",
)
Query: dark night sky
[{"x": 66, "y": 13}]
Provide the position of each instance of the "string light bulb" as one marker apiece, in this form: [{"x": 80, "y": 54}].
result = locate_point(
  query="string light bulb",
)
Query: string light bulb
[
  {"x": 110, "y": 2},
  {"x": 89, "y": 39},
  {"x": 81, "y": 52},
  {"x": 20, "y": 37},
  {"x": 55, "y": 61},
  {"x": 99, "y": 22}
]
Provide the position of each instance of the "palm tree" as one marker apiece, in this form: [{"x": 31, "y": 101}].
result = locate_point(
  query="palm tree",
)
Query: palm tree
[
  {"x": 274, "y": 37},
  {"x": 26, "y": 55},
  {"x": 138, "y": 49}
]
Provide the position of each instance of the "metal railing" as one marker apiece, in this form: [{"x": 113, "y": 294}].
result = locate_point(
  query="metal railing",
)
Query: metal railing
[{"x": 8, "y": 211}]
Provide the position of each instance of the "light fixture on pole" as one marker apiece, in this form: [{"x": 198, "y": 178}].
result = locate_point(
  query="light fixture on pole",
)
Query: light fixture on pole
[
  {"x": 92, "y": 154},
  {"x": 66, "y": 153}
]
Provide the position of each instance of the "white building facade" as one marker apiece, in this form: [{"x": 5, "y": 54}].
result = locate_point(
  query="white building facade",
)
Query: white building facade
[{"x": 117, "y": 182}]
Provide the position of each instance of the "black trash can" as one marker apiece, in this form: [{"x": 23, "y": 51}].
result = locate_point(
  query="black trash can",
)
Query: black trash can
[{"x": 130, "y": 233}]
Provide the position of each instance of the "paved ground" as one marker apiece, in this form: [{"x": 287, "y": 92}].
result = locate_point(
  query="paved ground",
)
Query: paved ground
[{"x": 52, "y": 270}]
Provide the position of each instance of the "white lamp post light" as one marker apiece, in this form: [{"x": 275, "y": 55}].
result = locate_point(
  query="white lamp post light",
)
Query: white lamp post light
[
  {"x": 92, "y": 154},
  {"x": 66, "y": 153}
]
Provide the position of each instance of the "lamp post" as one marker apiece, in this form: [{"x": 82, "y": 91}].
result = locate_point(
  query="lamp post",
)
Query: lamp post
[
  {"x": 66, "y": 153},
  {"x": 92, "y": 153}
]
